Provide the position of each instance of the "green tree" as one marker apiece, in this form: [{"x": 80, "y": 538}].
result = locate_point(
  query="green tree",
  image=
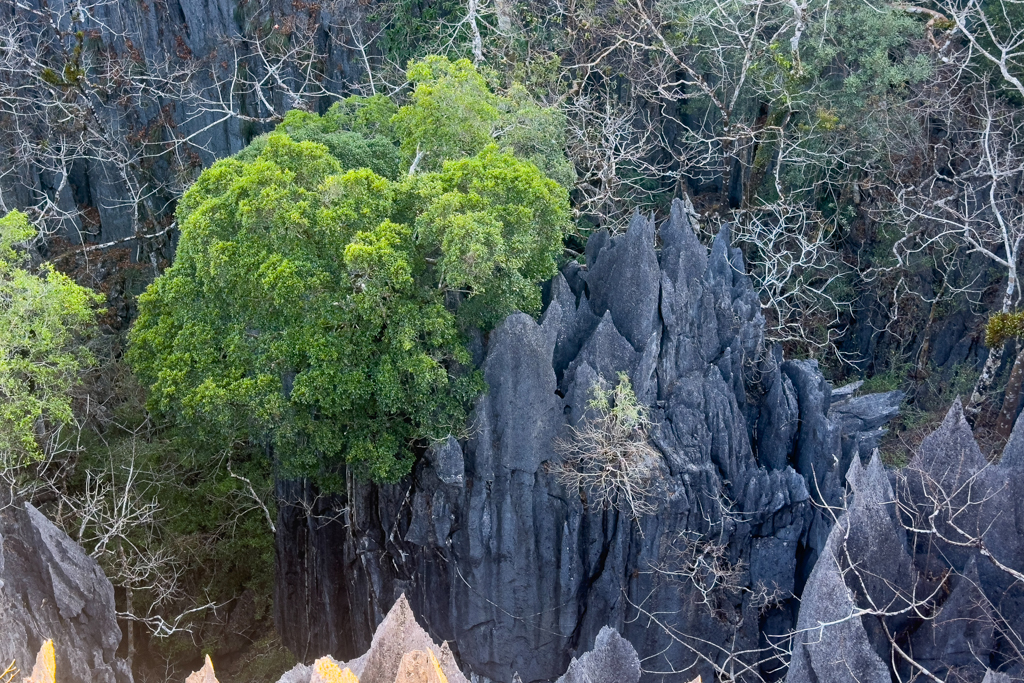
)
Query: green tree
[
  {"x": 323, "y": 311},
  {"x": 453, "y": 113},
  {"x": 44, "y": 318},
  {"x": 356, "y": 131}
]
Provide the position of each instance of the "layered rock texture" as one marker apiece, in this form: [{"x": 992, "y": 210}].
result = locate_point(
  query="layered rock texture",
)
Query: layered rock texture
[
  {"x": 923, "y": 571},
  {"x": 50, "y": 589},
  {"x": 45, "y": 668},
  {"x": 517, "y": 571}
]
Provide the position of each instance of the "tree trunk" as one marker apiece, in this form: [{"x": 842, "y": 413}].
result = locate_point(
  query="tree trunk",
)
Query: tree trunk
[
  {"x": 988, "y": 373},
  {"x": 1011, "y": 399},
  {"x": 984, "y": 385}
]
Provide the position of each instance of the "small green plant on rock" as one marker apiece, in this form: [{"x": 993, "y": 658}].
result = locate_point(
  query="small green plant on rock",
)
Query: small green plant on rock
[{"x": 1002, "y": 327}]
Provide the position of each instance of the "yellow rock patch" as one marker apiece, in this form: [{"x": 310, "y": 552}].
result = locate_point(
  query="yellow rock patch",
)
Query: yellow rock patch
[
  {"x": 326, "y": 670},
  {"x": 45, "y": 670}
]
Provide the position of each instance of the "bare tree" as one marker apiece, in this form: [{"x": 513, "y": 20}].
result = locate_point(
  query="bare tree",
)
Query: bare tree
[
  {"x": 962, "y": 193},
  {"x": 950, "y": 506}
]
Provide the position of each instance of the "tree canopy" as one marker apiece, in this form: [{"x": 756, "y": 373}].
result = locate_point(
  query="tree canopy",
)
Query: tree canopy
[
  {"x": 44, "y": 318},
  {"x": 320, "y": 300}
]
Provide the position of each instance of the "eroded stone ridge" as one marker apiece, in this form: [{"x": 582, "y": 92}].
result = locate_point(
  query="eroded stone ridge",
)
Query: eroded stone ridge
[
  {"x": 402, "y": 652},
  {"x": 389, "y": 658}
]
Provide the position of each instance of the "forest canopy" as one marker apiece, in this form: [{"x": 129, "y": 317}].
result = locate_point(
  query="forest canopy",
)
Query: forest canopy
[{"x": 327, "y": 278}]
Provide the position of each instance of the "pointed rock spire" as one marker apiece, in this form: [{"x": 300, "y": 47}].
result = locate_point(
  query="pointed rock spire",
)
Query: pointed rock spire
[
  {"x": 204, "y": 675},
  {"x": 950, "y": 453},
  {"x": 420, "y": 666},
  {"x": 613, "y": 660},
  {"x": 398, "y": 634}
]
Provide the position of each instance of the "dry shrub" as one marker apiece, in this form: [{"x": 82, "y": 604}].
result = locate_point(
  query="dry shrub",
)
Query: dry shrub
[
  {"x": 705, "y": 564},
  {"x": 609, "y": 457}
]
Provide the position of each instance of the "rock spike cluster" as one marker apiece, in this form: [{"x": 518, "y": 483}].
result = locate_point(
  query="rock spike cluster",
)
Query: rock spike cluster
[
  {"x": 397, "y": 635},
  {"x": 880, "y": 596},
  {"x": 519, "y": 573},
  {"x": 402, "y": 652}
]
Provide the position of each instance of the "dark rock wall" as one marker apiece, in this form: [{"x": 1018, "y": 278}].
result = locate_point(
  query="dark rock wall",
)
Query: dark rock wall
[
  {"x": 518, "y": 572},
  {"x": 188, "y": 51},
  {"x": 50, "y": 589}
]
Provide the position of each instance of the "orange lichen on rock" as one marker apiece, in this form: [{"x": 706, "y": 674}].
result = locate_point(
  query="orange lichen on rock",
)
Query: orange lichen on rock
[
  {"x": 45, "y": 670},
  {"x": 420, "y": 666},
  {"x": 326, "y": 670},
  {"x": 204, "y": 675}
]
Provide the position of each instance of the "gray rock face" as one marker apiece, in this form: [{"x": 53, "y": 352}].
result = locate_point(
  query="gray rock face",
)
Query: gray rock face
[
  {"x": 51, "y": 589},
  {"x": 624, "y": 281},
  {"x": 448, "y": 461},
  {"x": 520, "y": 574},
  {"x": 613, "y": 660},
  {"x": 861, "y": 421},
  {"x": 833, "y": 642},
  {"x": 963, "y": 626},
  {"x": 947, "y": 593},
  {"x": 838, "y": 653}
]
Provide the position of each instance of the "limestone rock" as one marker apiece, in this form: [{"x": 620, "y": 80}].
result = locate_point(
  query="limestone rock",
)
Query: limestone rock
[
  {"x": 613, "y": 660},
  {"x": 861, "y": 420},
  {"x": 50, "y": 589},
  {"x": 448, "y": 461},
  {"x": 962, "y": 633},
  {"x": 625, "y": 282},
  {"x": 875, "y": 583},
  {"x": 45, "y": 668},
  {"x": 204, "y": 675},
  {"x": 326, "y": 670},
  {"x": 420, "y": 666},
  {"x": 300, "y": 673},
  {"x": 385, "y": 660},
  {"x": 397, "y": 635},
  {"x": 839, "y": 652},
  {"x": 520, "y": 574}
]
